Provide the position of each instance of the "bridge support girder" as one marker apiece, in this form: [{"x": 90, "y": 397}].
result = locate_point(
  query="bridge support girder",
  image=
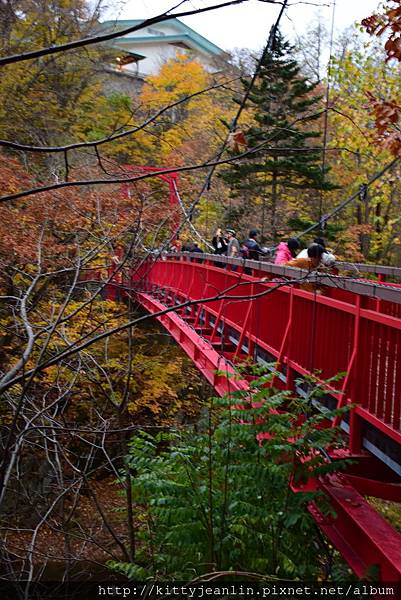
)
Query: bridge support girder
[{"x": 363, "y": 537}]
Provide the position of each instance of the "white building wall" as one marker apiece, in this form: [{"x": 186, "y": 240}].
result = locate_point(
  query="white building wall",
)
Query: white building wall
[{"x": 158, "y": 54}]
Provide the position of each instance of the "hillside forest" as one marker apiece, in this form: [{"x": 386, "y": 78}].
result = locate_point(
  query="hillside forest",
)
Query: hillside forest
[{"x": 110, "y": 444}]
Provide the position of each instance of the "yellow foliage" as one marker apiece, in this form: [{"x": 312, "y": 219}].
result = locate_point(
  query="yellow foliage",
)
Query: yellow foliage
[
  {"x": 197, "y": 120},
  {"x": 162, "y": 383}
]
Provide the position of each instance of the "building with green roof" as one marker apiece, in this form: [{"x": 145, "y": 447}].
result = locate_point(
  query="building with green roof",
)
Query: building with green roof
[{"x": 143, "y": 51}]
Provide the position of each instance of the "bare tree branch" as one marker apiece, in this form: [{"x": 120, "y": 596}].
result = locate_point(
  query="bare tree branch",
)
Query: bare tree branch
[
  {"x": 120, "y": 180},
  {"x": 110, "y": 36},
  {"x": 78, "y": 347}
]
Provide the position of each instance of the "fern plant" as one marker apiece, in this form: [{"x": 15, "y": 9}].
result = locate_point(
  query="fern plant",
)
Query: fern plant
[{"x": 217, "y": 496}]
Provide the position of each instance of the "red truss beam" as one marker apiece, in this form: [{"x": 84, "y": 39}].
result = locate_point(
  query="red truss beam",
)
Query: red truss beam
[
  {"x": 343, "y": 323},
  {"x": 360, "y": 534},
  {"x": 202, "y": 354}
]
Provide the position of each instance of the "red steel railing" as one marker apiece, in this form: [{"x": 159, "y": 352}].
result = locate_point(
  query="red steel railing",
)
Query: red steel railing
[
  {"x": 344, "y": 325},
  {"x": 351, "y": 327}
]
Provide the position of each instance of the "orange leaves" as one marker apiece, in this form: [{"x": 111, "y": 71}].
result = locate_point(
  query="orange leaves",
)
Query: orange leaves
[
  {"x": 373, "y": 25},
  {"x": 61, "y": 223},
  {"x": 237, "y": 142},
  {"x": 192, "y": 126},
  {"x": 393, "y": 48},
  {"x": 387, "y": 116},
  {"x": 386, "y": 112},
  {"x": 177, "y": 79},
  {"x": 390, "y": 22}
]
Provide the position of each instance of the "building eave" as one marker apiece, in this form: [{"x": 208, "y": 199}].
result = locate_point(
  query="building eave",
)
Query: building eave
[
  {"x": 134, "y": 54},
  {"x": 197, "y": 40}
]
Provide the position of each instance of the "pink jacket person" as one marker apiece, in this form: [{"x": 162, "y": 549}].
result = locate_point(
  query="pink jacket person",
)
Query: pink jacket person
[{"x": 283, "y": 254}]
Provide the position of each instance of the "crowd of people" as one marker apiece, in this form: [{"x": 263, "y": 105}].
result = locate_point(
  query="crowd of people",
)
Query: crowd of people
[
  {"x": 288, "y": 253},
  {"x": 315, "y": 255}
]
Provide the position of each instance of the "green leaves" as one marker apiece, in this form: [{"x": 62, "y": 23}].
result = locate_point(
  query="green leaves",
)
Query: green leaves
[{"x": 214, "y": 498}]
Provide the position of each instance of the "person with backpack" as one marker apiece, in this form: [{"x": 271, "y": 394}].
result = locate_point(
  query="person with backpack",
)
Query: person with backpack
[
  {"x": 250, "y": 248},
  {"x": 286, "y": 251}
]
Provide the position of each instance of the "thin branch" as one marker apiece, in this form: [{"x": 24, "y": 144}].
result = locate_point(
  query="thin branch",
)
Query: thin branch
[
  {"x": 110, "y": 36},
  {"x": 78, "y": 347},
  {"x": 25, "y": 320},
  {"x": 66, "y": 165},
  {"x": 119, "y": 180},
  {"x": 115, "y": 136},
  {"x": 79, "y": 183}
]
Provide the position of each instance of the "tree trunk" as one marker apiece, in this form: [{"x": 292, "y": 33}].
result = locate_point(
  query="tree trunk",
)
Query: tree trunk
[{"x": 274, "y": 202}]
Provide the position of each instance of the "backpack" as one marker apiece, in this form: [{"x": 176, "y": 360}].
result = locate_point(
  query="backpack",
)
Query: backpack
[
  {"x": 247, "y": 247},
  {"x": 244, "y": 251}
]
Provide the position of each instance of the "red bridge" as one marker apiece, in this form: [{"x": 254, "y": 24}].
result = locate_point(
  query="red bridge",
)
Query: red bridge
[{"x": 354, "y": 326}]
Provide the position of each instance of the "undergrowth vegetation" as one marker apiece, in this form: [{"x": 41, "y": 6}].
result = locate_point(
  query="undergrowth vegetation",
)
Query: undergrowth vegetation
[{"x": 216, "y": 496}]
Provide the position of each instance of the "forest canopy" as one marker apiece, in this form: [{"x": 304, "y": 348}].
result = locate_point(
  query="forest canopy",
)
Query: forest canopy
[{"x": 98, "y": 179}]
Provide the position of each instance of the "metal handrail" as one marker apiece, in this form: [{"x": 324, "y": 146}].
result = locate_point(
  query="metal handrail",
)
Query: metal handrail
[{"x": 372, "y": 289}]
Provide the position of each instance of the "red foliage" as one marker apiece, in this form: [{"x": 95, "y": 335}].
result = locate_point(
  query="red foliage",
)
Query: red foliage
[
  {"x": 56, "y": 224},
  {"x": 387, "y": 113},
  {"x": 237, "y": 142},
  {"x": 389, "y": 22}
]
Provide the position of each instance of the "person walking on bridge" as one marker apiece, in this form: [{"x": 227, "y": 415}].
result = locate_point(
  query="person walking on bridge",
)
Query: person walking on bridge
[
  {"x": 252, "y": 248},
  {"x": 232, "y": 247}
]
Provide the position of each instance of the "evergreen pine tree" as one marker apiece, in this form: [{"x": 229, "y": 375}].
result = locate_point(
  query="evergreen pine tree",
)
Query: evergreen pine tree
[{"x": 284, "y": 106}]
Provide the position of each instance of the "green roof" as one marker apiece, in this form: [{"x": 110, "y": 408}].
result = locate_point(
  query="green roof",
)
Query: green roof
[{"x": 184, "y": 34}]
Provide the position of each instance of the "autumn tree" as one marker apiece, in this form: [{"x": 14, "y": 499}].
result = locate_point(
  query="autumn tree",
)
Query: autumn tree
[
  {"x": 370, "y": 225},
  {"x": 58, "y": 251},
  {"x": 78, "y": 376},
  {"x": 191, "y": 130},
  {"x": 57, "y": 99},
  {"x": 387, "y": 110},
  {"x": 71, "y": 423}
]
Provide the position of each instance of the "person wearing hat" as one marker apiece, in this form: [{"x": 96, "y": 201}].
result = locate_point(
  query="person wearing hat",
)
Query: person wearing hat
[{"x": 233, "y": 244}]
